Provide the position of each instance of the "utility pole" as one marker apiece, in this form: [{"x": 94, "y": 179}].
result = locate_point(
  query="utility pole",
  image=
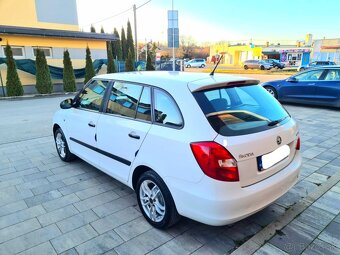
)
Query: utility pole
[
  {"x": 173, "y": 41},
  {"x": 135, "y": 21}
]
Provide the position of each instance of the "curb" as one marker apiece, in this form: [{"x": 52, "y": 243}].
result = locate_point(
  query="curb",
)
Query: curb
[
  {"x": 37, "y": 96},
  {"x": 259, "y": 239}
]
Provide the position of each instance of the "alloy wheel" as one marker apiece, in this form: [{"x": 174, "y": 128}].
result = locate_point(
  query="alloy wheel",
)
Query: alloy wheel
[{"x": 152, "y": 200}]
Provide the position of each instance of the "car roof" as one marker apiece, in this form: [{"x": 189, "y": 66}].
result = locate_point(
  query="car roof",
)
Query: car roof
[
  {"x": 170, "y": 80},
  {"x": 327, "y": 67}
]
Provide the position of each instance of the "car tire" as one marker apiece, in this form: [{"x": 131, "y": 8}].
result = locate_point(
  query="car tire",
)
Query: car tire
[
  {"x": 62, "y": 146},
  {"x": 301, "y": 69},
  {"x": 202, "y": 66},
  {"x": 155, "y": 201},
  {"x": 188, "y": 66},
  {"x": 262, "y": 67},
  {"x": 246, "y": 67},
  {"x": 271, "y": 91}
]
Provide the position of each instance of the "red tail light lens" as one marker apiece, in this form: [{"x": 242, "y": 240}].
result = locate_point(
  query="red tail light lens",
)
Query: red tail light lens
[
  {"x": 215, "y": 161},
  {"x": 297, "y": 147}
]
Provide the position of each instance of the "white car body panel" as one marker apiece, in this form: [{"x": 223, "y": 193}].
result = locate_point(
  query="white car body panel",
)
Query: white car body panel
[{"x": 113, "y": 138}]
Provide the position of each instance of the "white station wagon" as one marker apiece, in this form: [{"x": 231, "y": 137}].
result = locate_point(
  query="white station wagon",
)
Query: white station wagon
[{"x": 215, "y": 149}]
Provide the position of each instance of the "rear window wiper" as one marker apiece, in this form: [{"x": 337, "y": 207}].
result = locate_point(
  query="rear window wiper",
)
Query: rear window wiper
[{"x": 274, "y": 122}]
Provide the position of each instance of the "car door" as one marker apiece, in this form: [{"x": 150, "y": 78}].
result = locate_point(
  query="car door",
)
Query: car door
[
  {"x": 82, "y": 120},
  {"x": 328, "y": 88},
  {"x": 122, "y": 127},
  {"x": 301, "y": 87}
]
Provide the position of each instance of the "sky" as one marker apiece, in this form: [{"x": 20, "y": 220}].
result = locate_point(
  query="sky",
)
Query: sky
[{"x": 217, "y": 20}]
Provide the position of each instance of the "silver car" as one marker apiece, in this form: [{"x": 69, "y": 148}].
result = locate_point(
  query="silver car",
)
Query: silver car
[{"x": 257, "y": 64}]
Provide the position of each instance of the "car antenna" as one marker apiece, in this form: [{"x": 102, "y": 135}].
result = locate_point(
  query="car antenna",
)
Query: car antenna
[{"x": 213, "y": 71}]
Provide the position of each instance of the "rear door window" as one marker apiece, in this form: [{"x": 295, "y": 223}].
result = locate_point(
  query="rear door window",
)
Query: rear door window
[
  {"x": 123, "y": 99},
  {"x": 242, "y": 110}
]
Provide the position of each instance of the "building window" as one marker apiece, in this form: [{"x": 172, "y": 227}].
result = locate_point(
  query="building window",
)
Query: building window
[
  {"x": 18, "y": 52},
  {"x": 47, "y": 51}
]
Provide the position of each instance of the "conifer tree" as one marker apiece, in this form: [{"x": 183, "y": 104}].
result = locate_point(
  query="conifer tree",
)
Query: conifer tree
[
  {"x": 129, "y": 63},
  {"x": 129, "y": 40},
  {"x": 43, "y": 76},
  {"x": 149, "y": 66},
  {"x": 92, "y": 29},
  {"x": 68, "y": 74},
  {"x": 13, "y": 83},
  {"x": 110, "y": 63},
  {"x": 89, "y": 70},
  {"x": 102, "y": 30},
  {"x": 117, "y": 46},
  {"x": 124, "y": 45}
]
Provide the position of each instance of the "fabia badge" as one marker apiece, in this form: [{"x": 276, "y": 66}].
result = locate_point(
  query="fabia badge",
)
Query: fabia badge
[{"x": 278, "y": 140}]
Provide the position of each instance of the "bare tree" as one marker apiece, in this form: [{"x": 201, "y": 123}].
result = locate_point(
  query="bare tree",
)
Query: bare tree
[{"x": 187, "y": 46}]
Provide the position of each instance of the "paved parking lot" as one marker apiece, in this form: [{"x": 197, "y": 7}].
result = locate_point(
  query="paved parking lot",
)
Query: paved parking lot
[{"x": 51, "y": 207}]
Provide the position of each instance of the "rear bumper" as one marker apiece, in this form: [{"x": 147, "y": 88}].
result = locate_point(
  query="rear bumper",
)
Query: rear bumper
[{"x": 219, "y": 203}]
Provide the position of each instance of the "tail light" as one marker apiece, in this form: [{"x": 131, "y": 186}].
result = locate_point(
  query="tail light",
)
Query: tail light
[
  {"x": 297, "y": 147},
  {"x": 215, "y": 161}
]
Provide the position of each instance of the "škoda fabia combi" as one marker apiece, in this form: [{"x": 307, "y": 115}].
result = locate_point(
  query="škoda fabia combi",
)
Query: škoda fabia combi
[{"x": 213, "y": 148}]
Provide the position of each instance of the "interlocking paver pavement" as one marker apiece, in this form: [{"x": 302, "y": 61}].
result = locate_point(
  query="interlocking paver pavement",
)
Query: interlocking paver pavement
[{"x": 51, "y": 207}]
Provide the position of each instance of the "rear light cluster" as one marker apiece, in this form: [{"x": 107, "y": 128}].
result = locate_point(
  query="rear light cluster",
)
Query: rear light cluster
[
  {"x": 297, "y": 147},
  {"x": 215, "y": 161}
]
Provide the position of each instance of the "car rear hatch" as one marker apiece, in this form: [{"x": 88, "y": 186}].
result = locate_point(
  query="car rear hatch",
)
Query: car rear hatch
[
  {"x": 251, "y": 125},
  {"x": 260, "y": 155}
]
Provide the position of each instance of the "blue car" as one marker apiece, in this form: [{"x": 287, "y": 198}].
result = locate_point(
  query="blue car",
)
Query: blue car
[{"x": 318, "y": 86}]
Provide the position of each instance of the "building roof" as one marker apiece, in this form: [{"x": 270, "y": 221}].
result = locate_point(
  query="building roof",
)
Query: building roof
[{"x": 28, "y": 31}]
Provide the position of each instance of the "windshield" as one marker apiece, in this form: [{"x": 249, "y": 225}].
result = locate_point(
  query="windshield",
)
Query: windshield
[{"x": 242, "y": 110}]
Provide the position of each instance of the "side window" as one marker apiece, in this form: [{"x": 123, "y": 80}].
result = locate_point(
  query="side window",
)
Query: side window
[
  {"x": 124, "y": 99},
  {"x": 166, "y": 110},
  {"x": 144, "y": 105},
  {"x": 333, "y": 75},
  {"x": 310, "y": 76},
  {"x": 91, "y": 97}
]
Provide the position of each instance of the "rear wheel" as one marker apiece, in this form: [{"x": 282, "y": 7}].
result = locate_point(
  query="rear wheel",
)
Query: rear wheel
[
  {"x": 202, "y": 66},
  {"x": 271, "y": 91},
  {"x": 155, "y": 201},
  {"x": 62, "y": 146},
  {"x": 262, "y": 67},
  {"x": 245, "y": 67}
]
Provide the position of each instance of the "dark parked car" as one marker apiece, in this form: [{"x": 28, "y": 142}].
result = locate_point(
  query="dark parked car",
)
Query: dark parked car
[
  {"x": 318, "y": 86},
  {"x": 276, "y": 63},
  {"x": 316, "y": 64}
]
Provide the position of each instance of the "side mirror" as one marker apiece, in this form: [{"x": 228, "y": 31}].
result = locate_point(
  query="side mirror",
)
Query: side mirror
[
  {"x": 292, "y": 79},
  {"x": 66, "y": 104}
]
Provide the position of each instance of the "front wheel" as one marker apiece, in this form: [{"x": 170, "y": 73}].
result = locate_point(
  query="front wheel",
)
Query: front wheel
[
  {"x": 245, "y": 67},
  {"x": 188, "y": 66},
  {"x": 262, "y": 67},
  {"x": 271, "y": 91},
  {"x": 155, "y": 201},
  {"x": 62, "y": 146}
]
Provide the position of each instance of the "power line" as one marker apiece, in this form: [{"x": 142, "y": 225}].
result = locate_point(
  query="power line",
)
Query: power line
[{"x": 117, "y": 14}]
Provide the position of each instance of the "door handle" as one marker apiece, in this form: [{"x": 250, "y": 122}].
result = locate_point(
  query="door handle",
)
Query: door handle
[
  {"x": 91, "y": 124},
  {"x": 133, "y": 135}
]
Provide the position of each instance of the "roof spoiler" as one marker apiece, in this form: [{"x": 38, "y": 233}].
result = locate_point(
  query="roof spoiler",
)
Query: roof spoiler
[{"x": 239, "y": 83}]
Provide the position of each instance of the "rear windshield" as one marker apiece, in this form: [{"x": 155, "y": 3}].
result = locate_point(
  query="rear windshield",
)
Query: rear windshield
[{"x": 242, "y": 110}]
